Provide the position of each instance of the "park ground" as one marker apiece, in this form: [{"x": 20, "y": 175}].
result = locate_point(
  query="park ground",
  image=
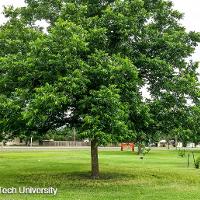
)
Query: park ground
[{"x": 161, "y": 175}]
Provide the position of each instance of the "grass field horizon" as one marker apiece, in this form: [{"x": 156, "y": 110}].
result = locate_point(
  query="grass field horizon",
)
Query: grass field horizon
[{"x": 160, "y": 175}]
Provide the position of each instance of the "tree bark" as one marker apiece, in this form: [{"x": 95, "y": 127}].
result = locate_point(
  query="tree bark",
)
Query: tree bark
[
  {"x": 168, "y": 145},
  {"x": 176, "y": 142},
  {"x": 94, "y": 159},
  {"x": 139, "y": 149}
]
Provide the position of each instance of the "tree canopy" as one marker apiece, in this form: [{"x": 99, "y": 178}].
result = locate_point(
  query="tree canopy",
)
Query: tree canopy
[{"x": 86, "y": 70}]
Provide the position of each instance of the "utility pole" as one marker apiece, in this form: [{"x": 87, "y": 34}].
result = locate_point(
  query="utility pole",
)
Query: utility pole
[{"x": 31, "y": 144}]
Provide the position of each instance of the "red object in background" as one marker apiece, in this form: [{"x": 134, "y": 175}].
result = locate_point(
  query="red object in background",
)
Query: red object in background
[{"x": 131, "y": 145}]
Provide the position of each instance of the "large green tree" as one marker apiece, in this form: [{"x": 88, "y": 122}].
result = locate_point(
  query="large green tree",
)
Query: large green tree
[{"x": 87, "y": 69}]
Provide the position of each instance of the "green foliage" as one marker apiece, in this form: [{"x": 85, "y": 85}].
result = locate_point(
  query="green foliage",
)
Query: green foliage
[
  {"x": 62, "y": 134},
  {"x": 87, "y": 70},
  {"x": 197, "y": 162},
  {"x": 181, "y": 153},
  {"x": 144, "y": 151}
]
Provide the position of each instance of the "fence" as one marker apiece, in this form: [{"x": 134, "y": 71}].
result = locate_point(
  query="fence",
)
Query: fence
[
  {"x": 71, "y": 144},
  {"x": 65, "y": 143}
]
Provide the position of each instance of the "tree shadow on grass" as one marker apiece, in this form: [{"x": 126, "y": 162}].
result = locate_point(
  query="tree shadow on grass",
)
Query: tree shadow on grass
[
  {"x": 103, "y": 175},
  {"x": 54, "y": 178}
]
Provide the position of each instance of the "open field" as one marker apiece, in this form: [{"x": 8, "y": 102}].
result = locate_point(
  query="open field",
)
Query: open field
[{"x": 161, "y": 175}]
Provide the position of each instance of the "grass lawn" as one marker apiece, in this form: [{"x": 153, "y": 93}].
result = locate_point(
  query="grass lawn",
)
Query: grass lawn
[{"x": 161, "y": 175}]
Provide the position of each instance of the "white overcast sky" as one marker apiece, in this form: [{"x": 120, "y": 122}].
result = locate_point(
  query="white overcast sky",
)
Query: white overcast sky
[{"x": 190, "y": 8}]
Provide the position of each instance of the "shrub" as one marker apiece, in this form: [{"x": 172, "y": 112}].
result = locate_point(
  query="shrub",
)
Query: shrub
[
  {"x": 181, "y": 153},
  {"x": 197, "y": 162}
]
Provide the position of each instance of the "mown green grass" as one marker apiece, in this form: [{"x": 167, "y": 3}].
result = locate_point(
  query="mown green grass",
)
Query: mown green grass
[{"x": 161, "y": 175}]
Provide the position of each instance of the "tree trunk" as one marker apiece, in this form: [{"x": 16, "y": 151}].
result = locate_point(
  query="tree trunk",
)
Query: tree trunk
[
  {"x": 176, "y": 141},
  {"x": 167, "y": 144},
  {"x": 94, "y": 159},
  {"x": 139, "y": 148}
]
